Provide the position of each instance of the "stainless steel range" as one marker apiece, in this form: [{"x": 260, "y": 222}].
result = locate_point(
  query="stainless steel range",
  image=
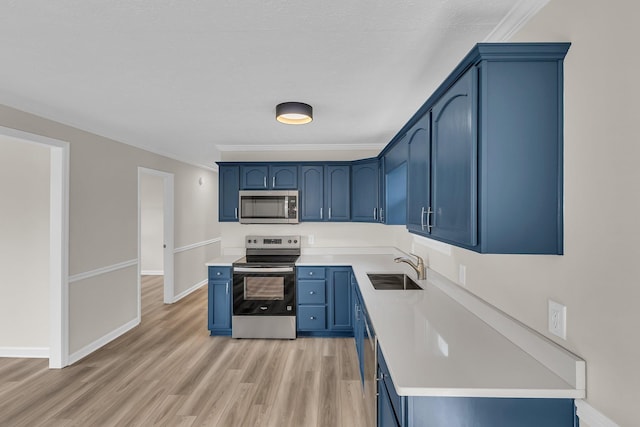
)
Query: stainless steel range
[{"x": 264, "y": 288}]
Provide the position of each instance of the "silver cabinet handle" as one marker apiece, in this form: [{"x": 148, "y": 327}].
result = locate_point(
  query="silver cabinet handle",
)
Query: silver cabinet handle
[
  {"x": 227, "y": 288},
  {"x": 218, "y": 273},
  {"x": 311, "y": 273},
  {"x": 311, "y": 292},
  {"x": 236, "y": 212},
  {"x": 274, "y": 182},
  {"x": 422, "y": 211},
  {"x": 321, "y": 213},
  {"x": 312, "y": 318},
  {"x": 264, "y": 184},
  {"x": 429, "y": 226},
  {"x": 375, "y": 214},
  {"x": 329, "y": 213},
  {"x": 381, "y": 215}
]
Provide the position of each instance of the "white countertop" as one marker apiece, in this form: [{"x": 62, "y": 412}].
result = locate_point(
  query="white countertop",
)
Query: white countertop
[{"x": 434, "y": 346}]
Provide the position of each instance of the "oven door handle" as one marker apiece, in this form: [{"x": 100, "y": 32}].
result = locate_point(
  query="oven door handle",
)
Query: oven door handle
[{"x": 263, "y": 269}]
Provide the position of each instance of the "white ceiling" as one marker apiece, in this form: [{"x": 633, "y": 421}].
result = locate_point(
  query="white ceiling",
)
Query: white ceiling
[{"x": 187, "y": 78}]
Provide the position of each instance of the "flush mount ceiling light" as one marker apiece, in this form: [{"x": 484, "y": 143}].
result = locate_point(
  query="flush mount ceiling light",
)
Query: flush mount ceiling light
[{"x": 294, "y": 113}]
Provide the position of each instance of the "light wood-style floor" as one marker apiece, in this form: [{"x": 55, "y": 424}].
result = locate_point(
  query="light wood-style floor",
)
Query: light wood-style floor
[{"x": 169, "y": 371}]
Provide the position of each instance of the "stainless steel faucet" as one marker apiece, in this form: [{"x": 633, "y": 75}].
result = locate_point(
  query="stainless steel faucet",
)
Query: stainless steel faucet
[{"x": 419, "y": 267}]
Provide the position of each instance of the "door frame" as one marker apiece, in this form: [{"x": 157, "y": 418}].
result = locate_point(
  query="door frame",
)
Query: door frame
[
  {"x": 58, "y": 243},
  {"x": 168, "y": 225}
]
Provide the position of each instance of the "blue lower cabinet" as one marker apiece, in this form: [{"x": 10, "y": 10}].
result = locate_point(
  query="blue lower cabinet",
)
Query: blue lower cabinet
[
  {"x": 312, "y": 318},
  {"x": 386, "y": 416},
  {"x": 422, "y": 411},
  {"x": 324, "y": 301},
  {"x": 219, "y": 302}
]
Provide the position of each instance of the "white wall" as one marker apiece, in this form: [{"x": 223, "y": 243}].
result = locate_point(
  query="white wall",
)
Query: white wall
[
  {"x": 597, "y": 278},
  {"x": 326, "y": 234},
  {"x": 151, "y": 224},
  {"x": 103, "y": 221},
  {"x": 24, "y": 247}
]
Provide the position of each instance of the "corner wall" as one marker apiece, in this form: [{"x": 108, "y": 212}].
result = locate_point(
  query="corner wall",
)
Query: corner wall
[{"x": 103, "y": 218}]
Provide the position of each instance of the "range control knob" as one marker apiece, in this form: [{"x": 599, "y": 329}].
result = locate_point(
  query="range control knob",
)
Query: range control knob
[
  {"x": 295, "y": 241},
  {"x": 289, "y": 240}
]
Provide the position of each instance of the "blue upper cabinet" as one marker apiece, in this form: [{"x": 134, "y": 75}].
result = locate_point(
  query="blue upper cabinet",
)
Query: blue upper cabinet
[
  {"x": 454, "y": 180},
  {"x": 337, "y": 195},
  {"x": 324, "y": 192},
  {"x": 283, "y": 177},
  {"x": 311, "y": 193},
  {"x": 254, "y": 177},
  {"x": 491, "y": 180},
  {"x": 228, "y": 186},
  {"x": 395, "y": 183},
  {"x": 364, "y": 191},
  {"x": 268, "y": 177},
  {"x": 419, "y": 174}
]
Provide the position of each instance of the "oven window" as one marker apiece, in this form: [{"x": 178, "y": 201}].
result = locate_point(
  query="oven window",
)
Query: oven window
[{"x": 264, "y": 288}]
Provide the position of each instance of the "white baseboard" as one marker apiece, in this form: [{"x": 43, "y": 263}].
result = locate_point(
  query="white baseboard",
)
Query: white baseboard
[
  {"x": 591, "y": 416},
  {"x": 25, "y": 352},
  {"x": 190, "y": 290},
  {"x": 86, "y": 350},
  {"x": 152, "y": 273}
]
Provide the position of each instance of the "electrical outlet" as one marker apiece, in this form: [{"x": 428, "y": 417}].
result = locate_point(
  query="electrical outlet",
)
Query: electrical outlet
[
  {"x": 462, "y": 275},
  {"x": 558, "y": 319},
  {"x": 312, "y": 239}
]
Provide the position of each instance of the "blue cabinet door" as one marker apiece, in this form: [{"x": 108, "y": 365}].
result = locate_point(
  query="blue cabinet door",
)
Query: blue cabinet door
[
  {"x": 364, "y": 191},
  {"x": 395, "y": 183},
  {"x": 340, "y": 299},
  {"x": 283, "y": 177},
  {"x": 228, "y": 186},
  {"x": 419, "y": 175},
  {"x": 254, "y": 177},
  {"x": 381, "y": 190},
  {"x": 386, "y": 416},
  {"x": 311, "y": 193},
  {"x": 220, "y": 307},
  {"x": 337, "y": 200},
  {"x": 454, "y": 186}
]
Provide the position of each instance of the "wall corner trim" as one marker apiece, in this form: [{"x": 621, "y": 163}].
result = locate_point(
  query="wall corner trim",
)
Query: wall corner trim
[
  {"x": 517, "y": 17},
  {"x": 25, "y": 352},
  {"x": 90, "y": 348},
  {"x": 190, "y": 290},
  {"x": 102, "y": 270},
  {"x": 592, "y": 416}
]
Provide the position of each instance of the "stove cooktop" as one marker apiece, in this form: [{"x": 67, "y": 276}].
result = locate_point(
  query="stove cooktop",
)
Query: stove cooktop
[{"x": 267, "y": 260}]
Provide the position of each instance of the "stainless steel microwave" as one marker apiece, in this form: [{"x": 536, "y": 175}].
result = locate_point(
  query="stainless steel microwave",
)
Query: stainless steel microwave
[{"x": 268, "y": 207}]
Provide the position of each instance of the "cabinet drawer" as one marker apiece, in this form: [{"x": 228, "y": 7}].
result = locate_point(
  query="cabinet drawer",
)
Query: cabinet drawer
[
  {"x": 311, "y": 292},
  {"x": 219, "y": 273},
  {"x": 310, "y": 272},
  {"x": 312, "y": 318}
]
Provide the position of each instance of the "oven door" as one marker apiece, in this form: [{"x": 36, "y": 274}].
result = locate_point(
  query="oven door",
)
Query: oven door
[{"x": 264, "y": 291}]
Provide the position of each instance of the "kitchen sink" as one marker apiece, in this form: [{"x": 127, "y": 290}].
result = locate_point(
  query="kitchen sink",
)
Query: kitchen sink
[{"x": 393, "y": 282}]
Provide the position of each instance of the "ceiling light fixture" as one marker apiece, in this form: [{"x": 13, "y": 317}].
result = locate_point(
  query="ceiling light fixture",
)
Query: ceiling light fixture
[{"x": 294, "y": 113}]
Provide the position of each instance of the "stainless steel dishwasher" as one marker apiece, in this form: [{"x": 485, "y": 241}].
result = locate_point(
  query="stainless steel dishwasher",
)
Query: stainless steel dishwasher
[{"x": 370, "y": 371}]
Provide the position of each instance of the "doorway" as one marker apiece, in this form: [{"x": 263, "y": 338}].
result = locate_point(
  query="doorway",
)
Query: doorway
[
  {"x": 58, "y": 238},
  {"x": 155, "y": 235}
]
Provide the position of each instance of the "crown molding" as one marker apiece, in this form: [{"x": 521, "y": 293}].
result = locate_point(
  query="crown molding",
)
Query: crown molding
[
  {"x": 517, "y": 17},
  {"x": 301, "y": 147}
]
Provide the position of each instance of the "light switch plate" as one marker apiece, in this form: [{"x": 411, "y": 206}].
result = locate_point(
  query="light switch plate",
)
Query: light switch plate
[{"x": 558, "y": 319}]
